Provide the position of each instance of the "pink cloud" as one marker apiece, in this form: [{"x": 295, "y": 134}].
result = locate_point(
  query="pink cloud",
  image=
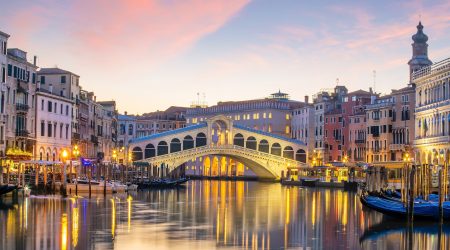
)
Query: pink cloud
[{"x": 148, "y": 31}]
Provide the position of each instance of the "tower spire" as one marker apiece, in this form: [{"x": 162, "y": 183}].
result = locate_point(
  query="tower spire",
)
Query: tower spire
[{"x": 420, "y": 51}]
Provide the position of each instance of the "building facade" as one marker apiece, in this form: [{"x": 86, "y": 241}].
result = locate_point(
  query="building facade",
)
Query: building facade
[
  {"x": 19, "y": 102},
  {"x": 432, "y": 113},
  {"x": 390, "y": 127},
  {"x": 3, "y": 89},
  {"x": 302, "y": 124},
  {"x": 54, "y": 121}
]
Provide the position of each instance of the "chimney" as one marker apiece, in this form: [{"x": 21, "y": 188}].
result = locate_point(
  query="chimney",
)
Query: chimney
[
  {"x": 306, "y": 99},
  {"x": 126, "y": 113},
  {"x": 370, "y": 90},
  {"x": 34, "y": 60}
]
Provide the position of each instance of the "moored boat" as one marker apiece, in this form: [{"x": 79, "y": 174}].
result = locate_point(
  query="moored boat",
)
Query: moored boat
[{"x": 422, "y": 209}]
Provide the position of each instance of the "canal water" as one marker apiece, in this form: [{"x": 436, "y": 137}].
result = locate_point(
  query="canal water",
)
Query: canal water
[{"x": 210, "y": 215}]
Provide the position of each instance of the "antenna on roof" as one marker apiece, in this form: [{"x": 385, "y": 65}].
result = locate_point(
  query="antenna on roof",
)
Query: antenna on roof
[
  {"x": 337, "y": 81},
  {"x": 374, "y": 80}
]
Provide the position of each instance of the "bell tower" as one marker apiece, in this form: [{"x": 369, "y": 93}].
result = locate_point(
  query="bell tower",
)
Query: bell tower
[{"x": 419, "y": 51}]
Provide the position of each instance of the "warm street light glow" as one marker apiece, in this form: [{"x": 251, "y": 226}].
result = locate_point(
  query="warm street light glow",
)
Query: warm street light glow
[{"x": 65, "y": 154}]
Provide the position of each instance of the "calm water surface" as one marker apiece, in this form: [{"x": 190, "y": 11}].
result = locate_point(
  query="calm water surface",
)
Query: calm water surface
[{"x": 210, "y": 215}]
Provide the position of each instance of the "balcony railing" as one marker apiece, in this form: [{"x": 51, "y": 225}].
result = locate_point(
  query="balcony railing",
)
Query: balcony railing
[
  {"x": 431, "y": 140},
  {"x": 22, "y": 107},
  {"x": 76, "y": 136},
  {"x": 396, "y": 147},
  {"x": 360, "y": 141},
  {"x": 22, "y": 133}
]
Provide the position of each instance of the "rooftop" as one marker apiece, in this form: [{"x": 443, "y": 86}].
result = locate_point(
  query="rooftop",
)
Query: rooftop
[{"x": 54, "y": 71}]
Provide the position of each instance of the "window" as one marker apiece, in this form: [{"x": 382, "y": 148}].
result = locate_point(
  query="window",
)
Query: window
[
  {"x": 270, "y": 115},
  {"x": 67, "y": 131},
  {"x": 287, "y": 130},
  {"x": 55, "y": 107},
  {"x": 61, "y": 130},
  {"x": 49, "y": 130},
  {"x": 63, "y": 79},
  {"x": 42, "y": 128},
  {"x": 9, "y": 70},
  {"x": 3, "y": 73},
  {"x": 287, "y": 116},
  {"x": 42, "y": 79},
  {"x": 61, "y": 109},
  {"x": 67, "y": 109},
  {"x": 130, "y": 129}
]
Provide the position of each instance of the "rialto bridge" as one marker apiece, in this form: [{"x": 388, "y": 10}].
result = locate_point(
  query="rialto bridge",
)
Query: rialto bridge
[{"x": 218, "y": 139}]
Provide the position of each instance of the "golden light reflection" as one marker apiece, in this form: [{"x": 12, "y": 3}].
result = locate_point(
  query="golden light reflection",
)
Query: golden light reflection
[
  {"x": 75, "y": 220},
  {"x": 313, "y": 212},
  {"x": 64, "y": 231},
  {"x": 129, "y": 200},
  {"x": 113, "y": 217}
]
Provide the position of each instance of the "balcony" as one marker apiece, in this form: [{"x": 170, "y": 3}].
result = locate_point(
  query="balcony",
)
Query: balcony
[
  {"x": 397, "y": 147},
  {"x": 20, "y": 107},
  {"x": 432, "y": 140},
  {"x": 22, "y": 133},
  {"x": 360, "y": 141}
]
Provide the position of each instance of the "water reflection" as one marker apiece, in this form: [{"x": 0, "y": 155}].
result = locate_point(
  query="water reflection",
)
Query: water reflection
[{"x": 207, "y": 215}]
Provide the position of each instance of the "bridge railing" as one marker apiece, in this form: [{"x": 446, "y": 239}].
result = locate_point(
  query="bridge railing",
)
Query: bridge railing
[{"x": 222, "y": 147}]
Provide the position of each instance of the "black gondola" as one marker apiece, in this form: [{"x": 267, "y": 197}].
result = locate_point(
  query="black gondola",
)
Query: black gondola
[
  {"x": 4, "y": 189},
  {"x": 162, "y": 183}
]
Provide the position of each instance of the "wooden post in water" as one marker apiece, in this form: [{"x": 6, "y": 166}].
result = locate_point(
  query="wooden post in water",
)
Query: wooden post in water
[
  {"x": 36, "y": 175},
  {"x": 89, "y": 177},
  {"x": 411, "y": 193},
  {"x": 104, "y": 180},
  {"x": 441, "y": 194}
]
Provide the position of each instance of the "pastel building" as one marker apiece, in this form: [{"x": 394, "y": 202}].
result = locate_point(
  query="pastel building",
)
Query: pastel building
[
  {"x": 19, "y": 101},
  {"x": 302, "y": 124},
  {"x": 3, "y": 88},
  {"x": 54, "y": 121},
  {"x": 390, "y": 127}
]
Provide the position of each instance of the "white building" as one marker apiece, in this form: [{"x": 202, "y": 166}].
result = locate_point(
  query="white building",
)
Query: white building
[
  {"x": 4, "y": 64},
  {"x": 303, "y": 125},
  {"x": 54, "y": 119}
]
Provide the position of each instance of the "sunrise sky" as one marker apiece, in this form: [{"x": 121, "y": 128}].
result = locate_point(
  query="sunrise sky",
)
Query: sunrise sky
[{"x": 149, "y": 54}]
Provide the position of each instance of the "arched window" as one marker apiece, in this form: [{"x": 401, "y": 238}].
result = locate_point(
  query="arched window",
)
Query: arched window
[
  {"x": 238, "y": 140},
  {"x": 200, "y": 140},
  {"x": 136, "y": 154},
  {"x": 175, "y": 145},
  {"x": 163, "y": 148},
  {"x": 300, "y": 155},
  {"x": 276, "y": 149},
  {"x": 150, "y": 151},
  {"x": 288, "y": 152},
  {"x": 251, "y": 143},
  {"x": 263, "y": 146},
  {"x": 188, "y": 142}
]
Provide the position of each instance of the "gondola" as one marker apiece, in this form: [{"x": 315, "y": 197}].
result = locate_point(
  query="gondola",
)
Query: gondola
[
  {"x": 162, "y": 183},
  {"x": 422, "y": 209},
  {"x": 4, "y": 189}
]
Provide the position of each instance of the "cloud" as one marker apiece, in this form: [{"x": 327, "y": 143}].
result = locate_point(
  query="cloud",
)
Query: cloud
[{"x": 147, "y": 31}]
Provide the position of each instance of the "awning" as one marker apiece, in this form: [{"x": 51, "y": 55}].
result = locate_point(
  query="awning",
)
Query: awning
[{"x": 40, "y": 162}]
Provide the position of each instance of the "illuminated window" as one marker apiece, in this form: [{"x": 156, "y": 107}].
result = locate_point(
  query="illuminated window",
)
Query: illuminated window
[
  {"x": 255, "y": 116},
  {"x": 270, "y": 129},
  {"x": 194, "y": 120},
  {"x": 264, "y": 115},
  {"x": 270, "y": 115},
  {"x": 248, "y": 116},
  {"x": 287, "y": 116},
  {"x": 288, "y": 130},
  {"x": 187, "y": 120}
]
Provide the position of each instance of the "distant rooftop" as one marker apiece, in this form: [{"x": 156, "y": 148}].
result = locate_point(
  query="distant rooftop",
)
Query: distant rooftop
[
  {"x": 55, "y": 71},
  {"x": 4, "y": 34}
]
